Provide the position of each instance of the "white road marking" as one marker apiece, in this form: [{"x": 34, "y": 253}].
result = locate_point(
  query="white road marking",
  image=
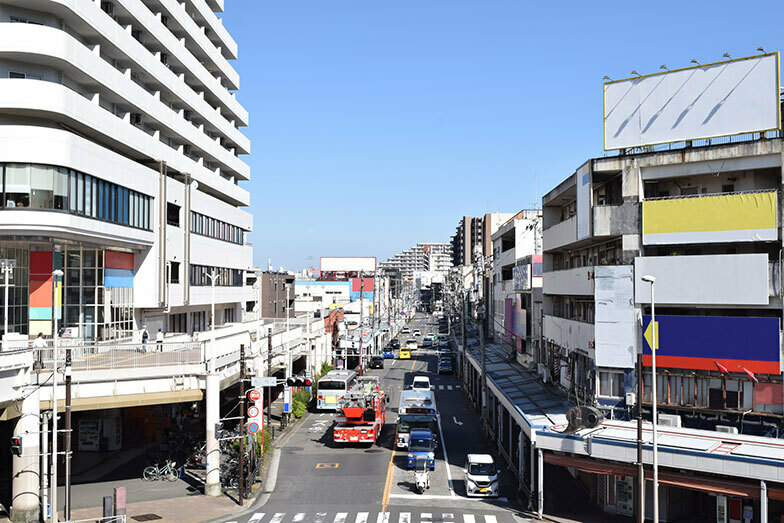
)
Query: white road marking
[
  {"x": 440, "y": 387},
  {"x": 258, "y": 516},
  {"x": 383, "y": 517},
  {"x": 299, "y": 516},
  {"x": 469, "y": 518},
  {"x": 361, "y": 517},
  {"x": 320, "y": 516},
  {"x": 457, "y": 386},
  {"x": 457, "y": 422},
  {"x": 449, "y": 387},
  {"x": 490, "y": 519},
  {"x": 447, "y": 516},
  {"x": 446, "y": 458},
  {"x": 278, "y": 517},
  {"x": 405, "y": 517},
  {"x": 340, "y": 517},
  {"x": 425, "y": 517}
]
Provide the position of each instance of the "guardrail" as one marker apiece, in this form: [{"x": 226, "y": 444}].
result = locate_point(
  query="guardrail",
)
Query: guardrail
[
  {"x": 107, "y": 519},
  {"x": 96, "y": 357}
]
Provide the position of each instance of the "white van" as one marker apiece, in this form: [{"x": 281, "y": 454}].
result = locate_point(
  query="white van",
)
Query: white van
[
  {"x": 481, "y": 476},
  {"x": 421, "y": 383}
]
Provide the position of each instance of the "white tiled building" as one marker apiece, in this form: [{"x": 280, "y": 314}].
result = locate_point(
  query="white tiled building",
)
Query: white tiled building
[{"x": 119, "y": 150}]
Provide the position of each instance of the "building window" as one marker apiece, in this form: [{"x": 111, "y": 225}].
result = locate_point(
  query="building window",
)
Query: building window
[
  {"x": 174, "y": 273},
  {"x": 611, "y": 384},
  {"x": 172, "y": 214},
  {"x": 199, "y": 321},
  {"x": 178, "y": 322},
  {"x": 212, "y": 228},
  {"x": 38, "y": 186},
  {"x": 228, "y": 316},
  {"x": 200, "y": 276}
]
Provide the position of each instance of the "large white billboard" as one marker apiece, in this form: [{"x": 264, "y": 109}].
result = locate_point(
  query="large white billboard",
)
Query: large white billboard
[
  {"x": 720, "y": 99},
  {"x": 347, "y": 263}
]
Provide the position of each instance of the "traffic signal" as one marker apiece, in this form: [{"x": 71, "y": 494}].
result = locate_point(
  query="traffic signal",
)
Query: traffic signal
[
  {"x": 16, "y": 445},
  {"x": 299, "y": 381}
]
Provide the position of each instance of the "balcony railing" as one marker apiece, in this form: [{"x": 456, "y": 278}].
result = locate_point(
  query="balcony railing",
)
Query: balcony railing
[
  {"x": 697, "y": 144},
  {"x": 131, "y": 356}
]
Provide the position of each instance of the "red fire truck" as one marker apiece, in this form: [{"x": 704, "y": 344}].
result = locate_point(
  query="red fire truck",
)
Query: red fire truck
[{"x": 362, "y": 412}]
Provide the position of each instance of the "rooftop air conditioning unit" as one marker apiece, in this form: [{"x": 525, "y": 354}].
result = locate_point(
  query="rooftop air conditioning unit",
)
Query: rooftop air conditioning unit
[
  {"x": 165, "y": 58},
  {"x": 188, "y": 114},
  {"x": 136, "y": 119},
  {"x": 669, "y": 420},
  {"x": 727, "y": 429},
  {"x": 108, "y": 8},
  {"x": 138, "y": 35}
]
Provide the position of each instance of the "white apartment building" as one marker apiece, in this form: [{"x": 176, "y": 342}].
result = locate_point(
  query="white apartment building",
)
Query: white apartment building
[
  {"x": 516, "y": 283},
  {"x": 436, "y": 257},
  {"x": 120, "y": 150}
]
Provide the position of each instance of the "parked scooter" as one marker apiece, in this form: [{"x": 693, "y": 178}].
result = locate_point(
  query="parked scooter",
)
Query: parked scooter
[{"x": 421, "y": 475}]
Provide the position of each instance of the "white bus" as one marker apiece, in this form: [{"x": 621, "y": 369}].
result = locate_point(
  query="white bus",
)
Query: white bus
[{"x": 332, "y": 387}]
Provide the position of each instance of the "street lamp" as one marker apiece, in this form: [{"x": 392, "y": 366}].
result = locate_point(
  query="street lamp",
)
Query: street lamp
[
  {"x": 57, "y": 273},
  {"x": 652, "y": 279}
]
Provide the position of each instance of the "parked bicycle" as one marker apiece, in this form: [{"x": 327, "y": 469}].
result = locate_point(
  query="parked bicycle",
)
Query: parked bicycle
[{"x": 155, "y": 472}]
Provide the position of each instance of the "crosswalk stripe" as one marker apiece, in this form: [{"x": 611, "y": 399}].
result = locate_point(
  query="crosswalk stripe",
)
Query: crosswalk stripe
[
  {"x": 340, "y": 517},
  {"x": 425, "y": 517},
  {"x": 490, "y": 519},
  {"x": 362, "y": 517},
  {"x": 405, "y": 517},
  {"x": 449, "y": 387},
  {"x": 300, "y": 516},
  {"x": 458, "y": 386},
  {"x": 257, "y": 516},
  {"x": 319, "y": 518},
  {"x": 469, "y": 518},
  {"x": 440, "y": 387},
  {"x": 278, "y": 517},
  {"x": 383, "y": 517}
]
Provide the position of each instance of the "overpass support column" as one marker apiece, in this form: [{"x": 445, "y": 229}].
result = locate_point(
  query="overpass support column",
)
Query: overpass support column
[
  {"x": 25, "y": 469},
  {"x": 212, "y": 485},
  {"x": 763, "y": 501},
  {"x": 540, "y": 483}
]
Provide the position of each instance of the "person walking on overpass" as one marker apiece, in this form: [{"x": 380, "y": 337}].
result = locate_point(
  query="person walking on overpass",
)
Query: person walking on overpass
[{"x": 159, "y": 340}]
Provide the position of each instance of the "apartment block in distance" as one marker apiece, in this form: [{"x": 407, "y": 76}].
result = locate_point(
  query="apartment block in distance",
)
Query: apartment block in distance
[{"x": 120, "y": 155}]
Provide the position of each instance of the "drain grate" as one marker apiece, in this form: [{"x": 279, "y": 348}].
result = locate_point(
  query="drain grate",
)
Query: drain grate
[{"x": 146, "y": 517}]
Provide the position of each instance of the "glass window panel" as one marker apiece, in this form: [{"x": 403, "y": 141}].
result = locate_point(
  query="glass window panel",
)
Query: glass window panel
[
  {"x": 60, "y": 188},
  {"x": 112, "y": 203},
  {"x": 17, "y": 185},
  {"x": 88, "y": 195},
  {"x": 88, "y": 258},
  {"x": 100, "y": 198},
  {"x": 94, "y": 207},
  {"x": 132, "y": 209},
  {"x": 72, "y": 295},
  {"x": 88, "y": 295},
  {"x": 72, "y": 277},
  {"x": 125, "y": 206},
  {"x": 88, "y": 277},
  {"x": 72, "y": 192},
  {"x": 80, "y": 193},
  {"x": 73, "y": 259},
  {"x": 41, "y": 187}
]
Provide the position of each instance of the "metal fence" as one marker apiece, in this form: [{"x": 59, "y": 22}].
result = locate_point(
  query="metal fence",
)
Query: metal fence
[
  {"x": 130, "y": 356},
  {"x": 107, "y": 519}
]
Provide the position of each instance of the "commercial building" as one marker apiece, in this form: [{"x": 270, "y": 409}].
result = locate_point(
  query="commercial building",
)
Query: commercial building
[
  {"x": 515, "y": 300},
  {"x": 120, "y": 150},
  {"x": 473, "y": 232}
]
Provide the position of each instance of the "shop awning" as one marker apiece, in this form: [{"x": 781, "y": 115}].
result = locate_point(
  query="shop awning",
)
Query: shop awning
[{"x": 701, "y": 483}]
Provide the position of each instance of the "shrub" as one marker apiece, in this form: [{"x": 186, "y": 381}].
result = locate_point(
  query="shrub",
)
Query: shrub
[
  {"x": 302, "y": 396},
  {"x": 298, "y": 408}
]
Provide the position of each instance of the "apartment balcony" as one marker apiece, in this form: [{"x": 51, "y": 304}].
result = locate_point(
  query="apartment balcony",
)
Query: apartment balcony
[
  {"x": 616, "y": 220},
  {"x": 750, "y": 216},
  {"x": 569, "y": 334},
  {"x": 573, "y": 282},
  {"x": 722, "y": 279},
  {"x": 560, "y": 234}
]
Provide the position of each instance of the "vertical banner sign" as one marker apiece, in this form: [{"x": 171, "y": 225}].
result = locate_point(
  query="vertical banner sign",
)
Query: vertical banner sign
[
  {"x": 584, "y": 201},
  {"x": 287, "y": 400}
]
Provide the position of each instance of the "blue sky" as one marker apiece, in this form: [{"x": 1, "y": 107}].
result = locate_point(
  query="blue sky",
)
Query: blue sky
[{"x": 376, "y": 125}]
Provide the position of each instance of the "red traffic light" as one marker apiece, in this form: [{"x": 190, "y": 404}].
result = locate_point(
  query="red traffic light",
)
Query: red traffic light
[
  {"x": 299, "y": 381},
  {"x": 16, "y": 445}
]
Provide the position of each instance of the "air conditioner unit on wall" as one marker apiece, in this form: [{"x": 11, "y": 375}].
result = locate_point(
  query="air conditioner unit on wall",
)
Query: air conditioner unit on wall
[
  {"x": 727, "y": 429},
  {"x": 669, "y": 420},
  {"x": 188, "y": 114},
  {"x": 136, "y": 119},
  {"x": 186, "y": 149}
]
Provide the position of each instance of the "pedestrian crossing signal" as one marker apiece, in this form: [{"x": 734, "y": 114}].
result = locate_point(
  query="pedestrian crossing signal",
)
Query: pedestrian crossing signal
[{"x": 16, "y": 445}]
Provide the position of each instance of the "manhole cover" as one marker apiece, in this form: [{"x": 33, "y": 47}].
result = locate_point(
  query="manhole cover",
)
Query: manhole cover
[
  {"x": 146, "y": 517},
  {"x": 373, "y": 451}
]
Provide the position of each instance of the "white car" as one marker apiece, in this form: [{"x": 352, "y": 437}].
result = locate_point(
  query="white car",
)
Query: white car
[
  {"x": 421, "y": 383},
  {"x": 481, "y": 476}
]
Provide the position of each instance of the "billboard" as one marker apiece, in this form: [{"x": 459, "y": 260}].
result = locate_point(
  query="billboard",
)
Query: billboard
[
  {"x": 347, "y": 264},
  {"x": 746, "y": 217},
  {"x": 718, "y": 99},
  {"x": 695, "y": 342},
  {"x": 521, "y": 278}
]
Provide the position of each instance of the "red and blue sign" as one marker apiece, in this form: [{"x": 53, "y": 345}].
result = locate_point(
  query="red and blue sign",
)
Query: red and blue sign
[{"x": 695, "y": 342}]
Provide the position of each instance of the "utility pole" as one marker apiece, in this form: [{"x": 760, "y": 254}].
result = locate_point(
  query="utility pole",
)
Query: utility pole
[
  {"x": 361, "y": 310},
  {"x": 242, "y": 424},
  {"x": 67, "y": 512},
  {"x": 269, "y": 374},
  {"x": 640, "y": 467}
]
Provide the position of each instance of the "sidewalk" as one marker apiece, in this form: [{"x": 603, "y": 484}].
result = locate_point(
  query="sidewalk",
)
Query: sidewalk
[{"x": 193, "y": 508}]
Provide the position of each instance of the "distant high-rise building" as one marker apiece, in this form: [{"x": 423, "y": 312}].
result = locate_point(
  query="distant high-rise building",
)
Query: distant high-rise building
[
  {"x": 435, "y": 257},
  {"x": 476, "y": 231}
]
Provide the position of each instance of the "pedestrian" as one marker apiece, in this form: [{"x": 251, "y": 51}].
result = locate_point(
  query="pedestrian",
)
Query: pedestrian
[
  {"x": 159, "y": 340},
  {"x": 145, "y": 338}
]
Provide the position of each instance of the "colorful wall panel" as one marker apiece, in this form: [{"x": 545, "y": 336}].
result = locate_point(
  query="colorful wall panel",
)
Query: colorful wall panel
[
  {"x": 118, "y": 269},
  {"x": 695, "y": 342},
  {"x": 711, "y": 219},
  {"x": 41, "y": 295}
]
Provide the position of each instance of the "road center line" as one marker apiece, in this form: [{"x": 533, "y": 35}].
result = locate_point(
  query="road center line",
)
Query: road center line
[{"x": 446, "y": 457}]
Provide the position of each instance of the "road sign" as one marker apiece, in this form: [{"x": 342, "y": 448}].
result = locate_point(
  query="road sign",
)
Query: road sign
[
  {"x": 287, "y": 400},
  {"x": 253, "y": 412},
  {"x": 264, "y": 381},
  {"x": 253, "y": 427},
  {"x": 254, "y": 394}
]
